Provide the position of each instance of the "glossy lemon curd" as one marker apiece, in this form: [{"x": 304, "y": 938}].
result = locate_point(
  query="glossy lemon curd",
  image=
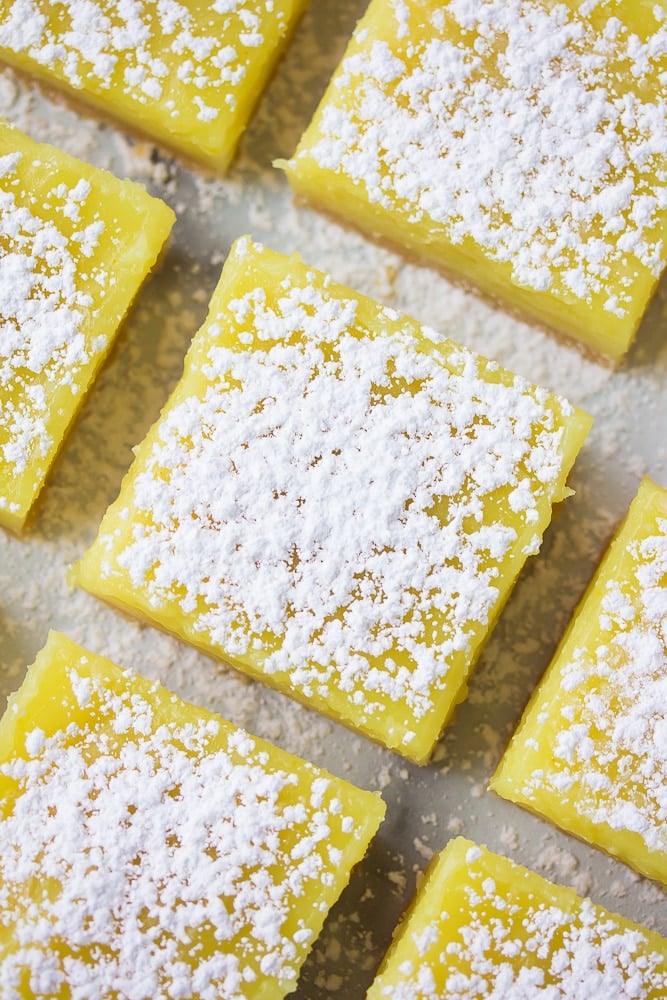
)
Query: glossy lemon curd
[
  {"x": 76, "y": 244},
  {"x": 483, "y": 926},
  {"x": 149, "y": 848},
  {"x": 184, "y": 72},
  {"x": 589, "y": 753},
  {"x": 335, "y": 499},
  {"x": 520, "y": 146}
]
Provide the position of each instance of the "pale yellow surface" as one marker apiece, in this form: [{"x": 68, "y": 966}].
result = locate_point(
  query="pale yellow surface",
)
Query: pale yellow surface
[
  {"x": 282, "y": 513},
  {"x": 590, "y": 752},
  {"x": 77, "y": 718},
  {"x": 483, "y": 926},
  {"x": 76, "y": 244},
  {"x": 523, "y": 152},
  {"x": 186, "y": 73}
]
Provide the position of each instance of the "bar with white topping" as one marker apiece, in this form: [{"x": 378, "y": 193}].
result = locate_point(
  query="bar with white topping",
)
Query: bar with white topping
[
  {"x": 590, "y": 753},
  {"x": 482, "y": 926},
  {"x": 76, "y": 244},
  {"x": 150, "y": 849},
  {"x": 186, "y": 73},
  {"x": 519, "y": 144},
  {"x": 335, "y": 499}
]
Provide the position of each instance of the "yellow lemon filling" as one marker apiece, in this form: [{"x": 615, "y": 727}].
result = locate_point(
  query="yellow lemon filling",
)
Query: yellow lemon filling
[
  {"x": 590, "y": 753},
  {"x": 482, "y": 926},
  {"x": 186, "y": 73},
  {"x": 335, "y": 499},
  {"x": 151, "y": 849},
  {"x": 520, "y": 144},
  {"x": 76, "y": 244}
]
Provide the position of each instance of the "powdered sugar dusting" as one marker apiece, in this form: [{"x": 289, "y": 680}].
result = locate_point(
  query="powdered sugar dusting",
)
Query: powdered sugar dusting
[
  {"x": 45, "y": 304},
  {"x": 153, "y": 856},
  {"x": 504, "y": 934},
  {"x": 610, "y": 753},
  {"x": 502, "y": 122},
  {"x": 70, "y": 264},
  {"x": 324, "y": 501},
  {"x": 625, "y": 442},
  {"x": 187, "y": 66}
]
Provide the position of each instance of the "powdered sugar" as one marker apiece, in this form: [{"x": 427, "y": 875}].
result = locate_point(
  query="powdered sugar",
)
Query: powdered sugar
[
  {"x": 70, "y": 264},
  {"x": 503, "y": 123},
  {"x": 45, "y": 306},
  {"x": 173, "y": 854},
  {"x": 322, "y": 503},
  {"x": 611, "y": 752},
  {"x": 93, "y": 37},
  {"x": 626, "y": 442},
  {"x": 172, "y": 68},
  {"x": 503, "y": 934}
]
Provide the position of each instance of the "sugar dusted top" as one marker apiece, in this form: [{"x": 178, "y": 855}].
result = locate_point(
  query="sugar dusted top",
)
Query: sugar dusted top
[
  {"x": 503, "y": 933},
  {"x": 335, "y": 495},
  {"x": 606, "y": 724},
  {"x": 149, "y": 850},
  {"x": 45, "y": 304},
  {"x": 192, "y": 70},
  {"x": 535, "y": 130},
  {"x": 623, "y": 719},
  {"x": 75, "y": 244}
]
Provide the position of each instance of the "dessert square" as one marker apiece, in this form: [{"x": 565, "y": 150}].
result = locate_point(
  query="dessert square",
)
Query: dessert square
[
  {"x": 519, "y": 145},
  {"x": 184, "y": 72},
  {"x": 482, "y": 926},
  {"x": 151, "y": 849},
  {"x": 76, "y": 244},
  {"x": 590, "y": 753},
  {"x": 335, "y": 499}
]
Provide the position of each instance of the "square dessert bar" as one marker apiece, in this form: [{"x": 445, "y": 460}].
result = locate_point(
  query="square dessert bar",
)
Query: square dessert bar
[
  {"x": 76, "y": 244},
  {"x": 519, "y": 144},
  {"x": 590, "y": 753},
  {"x": 184, "y": 72},
  {"x": 482, "y": 926},
  {"x": 150, "y": 849},
  {"x": 335, "y": 499}
]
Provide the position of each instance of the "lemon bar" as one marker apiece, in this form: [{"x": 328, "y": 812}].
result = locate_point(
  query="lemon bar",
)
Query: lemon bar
[
  {"x": 335, "y": 499},
  {"x": 520, "y": 145},
  {"x": 590, "y": 753},
  {"x": 76, "y": 243},
  {"x": 148, "y": 848},
  {"x": 184, "y": 72},
  {"x": 482, "y": 926}
]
